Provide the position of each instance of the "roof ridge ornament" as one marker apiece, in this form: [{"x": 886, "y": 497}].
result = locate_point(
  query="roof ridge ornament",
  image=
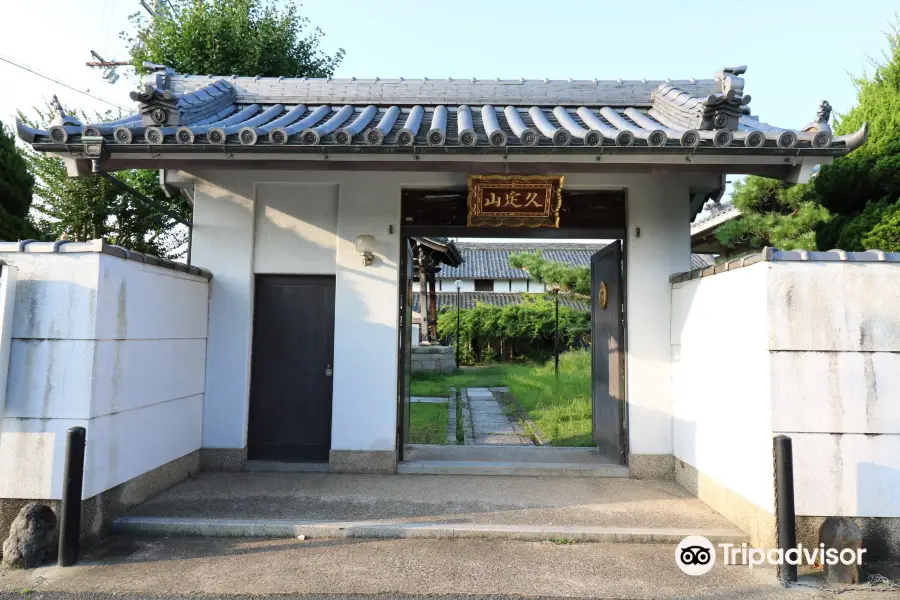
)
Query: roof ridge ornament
[{"x": 718, "y": 111}]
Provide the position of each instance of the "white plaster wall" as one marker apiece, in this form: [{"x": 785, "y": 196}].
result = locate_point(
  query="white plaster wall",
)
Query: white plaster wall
[
  {"x": 8, "y": 280},
  {"x": 295, "y": 220},
  {"x": 659, "y": 207},
  {"x": 468, "y": 285},
  {"x": 364, "y": 396},
  {"x": 720, "y": 378},
  {"x": 366, "y": 337},
  {"x": 127, "y": 363},
  {"x": 520, "y": 285},
  {"x": 223, "y": 243}
]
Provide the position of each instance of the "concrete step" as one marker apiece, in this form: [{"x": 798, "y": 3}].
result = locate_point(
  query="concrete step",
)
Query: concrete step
[
  {"x": 510, "y": 468},
  {"x": 501, "y": 453},
  {"x": 275, "y": 528}
]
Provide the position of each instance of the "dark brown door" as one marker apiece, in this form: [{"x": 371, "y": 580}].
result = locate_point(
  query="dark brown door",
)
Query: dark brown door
[
  {"x": 405, "y": 358},
  {"x": 607, "y": 352},
  {"x": 293, "y": 358}
]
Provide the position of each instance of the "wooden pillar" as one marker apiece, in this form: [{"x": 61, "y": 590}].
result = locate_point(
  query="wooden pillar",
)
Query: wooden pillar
[
  {"x": 432, "y": 304},
  {"x": 424, "y": 332}
]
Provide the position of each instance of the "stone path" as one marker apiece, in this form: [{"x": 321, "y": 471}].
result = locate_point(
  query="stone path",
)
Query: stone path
[{"x": 488, "y": 422}]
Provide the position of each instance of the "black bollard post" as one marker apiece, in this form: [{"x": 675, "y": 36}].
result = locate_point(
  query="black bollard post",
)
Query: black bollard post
[
  {"x": 70, "y": 509},
  {"x": 785, "y": 517}
]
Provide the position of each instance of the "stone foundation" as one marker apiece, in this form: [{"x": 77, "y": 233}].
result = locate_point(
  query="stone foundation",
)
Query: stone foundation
[
  {"x": 356, "y": 461},
  {"x": 433, "y": 359},
  {"x": 651, "y": 466},
  {"x": 759, "y": 524},
  {"x": 223, "y": 459},
  {"x": 98, "y": 512}
]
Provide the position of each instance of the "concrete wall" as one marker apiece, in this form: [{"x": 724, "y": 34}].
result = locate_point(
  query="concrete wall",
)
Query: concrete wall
[
  {"x": 834, "y": 336},
  {"x": 235, "y": 210},
  {"x": 804, "y": 348},
  {"x": 113, "y": 345}
]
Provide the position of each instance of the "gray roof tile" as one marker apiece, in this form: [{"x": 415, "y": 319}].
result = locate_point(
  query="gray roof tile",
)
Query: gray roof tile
[
  {"x": 177, "y": 110},
  {"x": 470, "y": 299}
]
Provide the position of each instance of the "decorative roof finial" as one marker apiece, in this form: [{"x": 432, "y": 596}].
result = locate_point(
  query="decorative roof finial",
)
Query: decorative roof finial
[
  {"x": 62, "y": 118},
  {"x": 824, "y": 114},
  {"x": 58, "y": 107}
]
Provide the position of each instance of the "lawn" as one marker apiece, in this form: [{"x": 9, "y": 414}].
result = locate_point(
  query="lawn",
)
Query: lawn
[
  {"x": 560, "y": 409},
  {"x": 427, "y": 423},
  {"x": 437, "y": 384}
]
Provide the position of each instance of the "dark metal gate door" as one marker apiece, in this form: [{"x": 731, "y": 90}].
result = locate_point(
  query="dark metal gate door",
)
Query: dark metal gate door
[
  {"x": 291, "y": 376},
  {"x": 607, "y": 352},
  {"x": 405, "y": 358}
]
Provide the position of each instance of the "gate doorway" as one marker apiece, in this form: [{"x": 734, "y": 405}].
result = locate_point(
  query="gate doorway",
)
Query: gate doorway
[
  {"x": 291, "y": 384},
  {"x": 586, "y": 215}
]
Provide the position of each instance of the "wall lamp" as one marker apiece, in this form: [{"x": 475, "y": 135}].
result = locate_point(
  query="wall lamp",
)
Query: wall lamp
[{"x": 365, "y": 245}]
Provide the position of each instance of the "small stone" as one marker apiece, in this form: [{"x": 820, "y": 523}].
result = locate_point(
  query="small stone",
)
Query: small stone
[
  {"x": 32, "y": 536},
  {"x": 841, "y": 533},
  {"x": 301, "y": 537}
]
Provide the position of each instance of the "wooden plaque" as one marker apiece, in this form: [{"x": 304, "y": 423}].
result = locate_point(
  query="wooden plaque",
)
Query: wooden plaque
[{"x": 514, "y": 200}]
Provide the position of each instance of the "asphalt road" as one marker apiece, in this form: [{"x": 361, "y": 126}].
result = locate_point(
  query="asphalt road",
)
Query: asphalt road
[{"x": 202, "y": 568}]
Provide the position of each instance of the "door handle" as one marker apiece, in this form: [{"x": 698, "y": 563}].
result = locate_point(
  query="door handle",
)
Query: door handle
[{"x": 328, "y": 371}]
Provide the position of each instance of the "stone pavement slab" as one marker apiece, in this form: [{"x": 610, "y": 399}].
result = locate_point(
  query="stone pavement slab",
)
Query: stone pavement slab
[
  {"x": 558, "y": 501},
  {"x": 402, "y": 569},
  {"x": 490, "y": 423}
]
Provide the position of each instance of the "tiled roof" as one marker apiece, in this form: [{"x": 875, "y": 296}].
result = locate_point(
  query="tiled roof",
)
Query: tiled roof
[
  {"x": 769, "y": 254},
  {"x": 470, "y": 299},
  {"x": 715, "y": 215},
  {"x": 701, "y": 261},
  {"x": 491, "y": 260},
  {"x": 101, "y": 247},
  {"x": 193, "y": 113}
]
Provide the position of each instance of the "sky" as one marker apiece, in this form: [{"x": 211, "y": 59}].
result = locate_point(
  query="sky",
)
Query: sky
[{"x": 798, "y": 52}]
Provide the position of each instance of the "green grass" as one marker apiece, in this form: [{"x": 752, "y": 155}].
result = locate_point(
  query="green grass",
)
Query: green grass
[
  {"x": 560, "y": 409},
  {"x": 437, "y": 384},
  {"x": 428, "y": 423}
]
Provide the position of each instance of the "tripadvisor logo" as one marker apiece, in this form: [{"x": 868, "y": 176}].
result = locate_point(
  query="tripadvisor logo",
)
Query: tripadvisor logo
[{"x": 696, "y": 555}]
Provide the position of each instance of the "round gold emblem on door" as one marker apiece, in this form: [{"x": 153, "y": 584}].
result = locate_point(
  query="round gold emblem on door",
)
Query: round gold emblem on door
[{"x": 603, "y": 295}]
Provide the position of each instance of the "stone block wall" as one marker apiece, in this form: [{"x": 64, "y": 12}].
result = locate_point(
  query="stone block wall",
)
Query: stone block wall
[{"x": 433, "y": 359}]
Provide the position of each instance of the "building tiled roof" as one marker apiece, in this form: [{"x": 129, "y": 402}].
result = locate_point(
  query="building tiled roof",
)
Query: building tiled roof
[
  {"x": 470, "y": 299},
  {"x": 701, "y": 261},
  {"x": 491, "y": 260},
  {"x": 715, "y": 215},
  {"x": 191, "y": 113}
]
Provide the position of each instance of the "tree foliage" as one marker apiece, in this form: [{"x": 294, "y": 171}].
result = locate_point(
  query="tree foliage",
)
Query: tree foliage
[
  {"x": 242, "y": 37},
  {"x": 773, "y": 213},
  {"x": 16, "y": 185},
  {"x": 89, "y": 207},
  {"x": 527, "y": 328},
  {"x": 847, "y": 199},
  {"x": 567, "y": 277}
]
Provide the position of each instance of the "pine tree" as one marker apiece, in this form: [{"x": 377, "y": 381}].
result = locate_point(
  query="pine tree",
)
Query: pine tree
[{"x": 849, "y": 198}]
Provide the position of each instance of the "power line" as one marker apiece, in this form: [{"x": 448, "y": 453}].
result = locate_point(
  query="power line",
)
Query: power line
[{"x": 57, "y": 81}]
